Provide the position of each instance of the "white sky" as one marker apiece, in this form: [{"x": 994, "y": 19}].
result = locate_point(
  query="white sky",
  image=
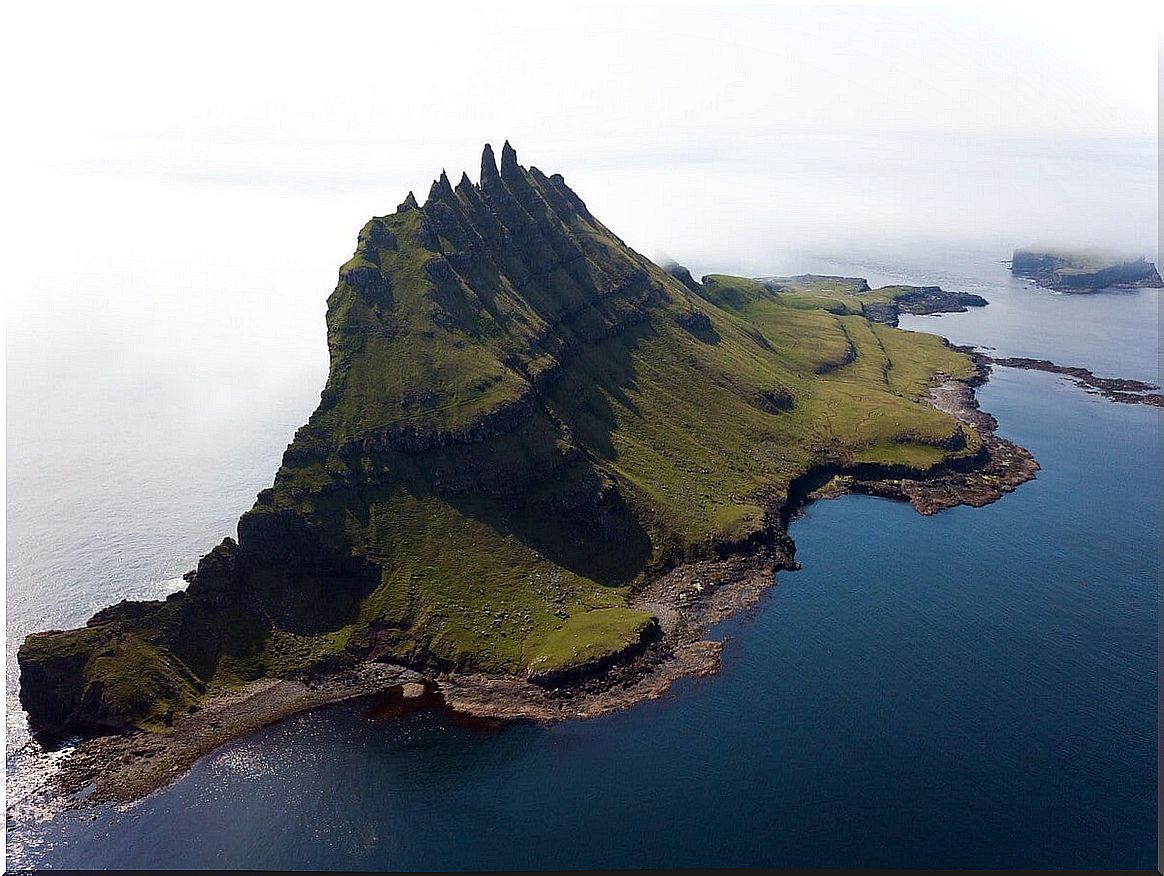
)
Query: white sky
[
  {"x": 182, "y": 181},
  {"x": 226, "y": 89},
  {"x": 158, "y": 131}
]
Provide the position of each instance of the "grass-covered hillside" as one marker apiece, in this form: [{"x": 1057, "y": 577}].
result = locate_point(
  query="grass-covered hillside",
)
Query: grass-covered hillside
[{"x": 524, "y": 420}]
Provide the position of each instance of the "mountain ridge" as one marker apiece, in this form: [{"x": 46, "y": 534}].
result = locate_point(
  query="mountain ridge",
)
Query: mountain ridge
[{"x": 526, "y": 426}]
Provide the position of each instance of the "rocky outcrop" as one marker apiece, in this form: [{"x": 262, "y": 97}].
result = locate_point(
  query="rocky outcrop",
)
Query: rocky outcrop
[
  {"x": 417, "y": 437},
  {"x": 1116, "y": 389},
  {"x": 922, "y": 301},
  {"x": 1066, "y": 271},
  {"x": 885, "y": 304},
  {"x": 649, "y": 634},
  {"x": 523, "y": 418},
  {"x": 683, "y": 275}
]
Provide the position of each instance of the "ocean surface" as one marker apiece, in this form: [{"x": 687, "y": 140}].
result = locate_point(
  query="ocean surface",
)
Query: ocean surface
[{"x": 973, "y": 689}]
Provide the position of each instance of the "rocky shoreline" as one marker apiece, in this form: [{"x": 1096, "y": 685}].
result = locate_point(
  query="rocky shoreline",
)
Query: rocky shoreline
[
  {"x": 122, "y": 768},
  {"x": 1115, "y": 389},
  {"x": 686, "y": 601},
  {"x": 1084, "y": 272}
]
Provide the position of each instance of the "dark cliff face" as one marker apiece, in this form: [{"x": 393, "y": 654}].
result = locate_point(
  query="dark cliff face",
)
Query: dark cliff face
[
  {"x": 523, "y": 420},
  {"x": 922, "y": 301},
  {"x": 1084, "y": 272},
  {"x": 447, "y": 328},
  {"x": 683, "y": 275}
]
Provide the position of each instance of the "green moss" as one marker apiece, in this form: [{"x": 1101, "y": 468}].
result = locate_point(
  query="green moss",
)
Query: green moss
[
  {"x": 921, "y": 457},
  {"x": 584, "y": 638},
  {"x": 142, "y": 682},
  {"x": 479, "y": 532},
  {"x": 916, "y": 360}
]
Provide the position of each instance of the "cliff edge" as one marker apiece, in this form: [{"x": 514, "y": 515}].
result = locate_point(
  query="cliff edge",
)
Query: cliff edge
[
  {"x": 526, "y": 426},
  {"x": 1084, "y": 271}
]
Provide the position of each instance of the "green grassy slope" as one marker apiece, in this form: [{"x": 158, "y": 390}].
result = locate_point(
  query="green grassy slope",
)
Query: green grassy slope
[{"x": 523, "y": 421}]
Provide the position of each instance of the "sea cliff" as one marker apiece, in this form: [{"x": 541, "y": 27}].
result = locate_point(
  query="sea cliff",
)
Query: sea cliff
[
  {"x": 1084, "y": 271},
  {"x": 541, "y": 465}
]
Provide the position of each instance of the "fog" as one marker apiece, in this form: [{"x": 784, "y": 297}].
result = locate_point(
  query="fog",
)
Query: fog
[
  {"x": 181, "y": 188},
  {"x": 713, "y": 133}
]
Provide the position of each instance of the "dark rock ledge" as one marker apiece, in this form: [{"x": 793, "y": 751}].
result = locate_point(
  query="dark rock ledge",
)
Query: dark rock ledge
[{"x": 1115, "y": 389}]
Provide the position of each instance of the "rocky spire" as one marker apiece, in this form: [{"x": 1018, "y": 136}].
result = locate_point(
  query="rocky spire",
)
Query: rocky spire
[
  {"x": 465, "y": 189},
  {"x": 509, "y": 167},
  {"x": 441, "y": 189},
  {"x": 408, "y": 203},
  {"x": 488, "y": 166}
]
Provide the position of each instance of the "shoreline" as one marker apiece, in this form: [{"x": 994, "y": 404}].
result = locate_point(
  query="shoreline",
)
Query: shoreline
[
  {"x": 1115, "y": 389},
  {"x": 687, "y": 600}
]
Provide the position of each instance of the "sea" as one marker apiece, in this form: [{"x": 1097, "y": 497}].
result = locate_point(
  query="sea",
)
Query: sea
[{"x": 973, "y": 689}]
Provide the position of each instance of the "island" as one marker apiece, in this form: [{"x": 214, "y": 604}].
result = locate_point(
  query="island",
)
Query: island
[
  {"x": 541, "y": 466},
  {"x": 849, "y": 295},
  {"x": 1084, "y": 270}
]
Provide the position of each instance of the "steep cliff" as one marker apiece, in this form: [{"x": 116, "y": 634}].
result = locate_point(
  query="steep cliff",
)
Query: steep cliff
[
  {"x": 524, "y": 422},
  {"x": 1084, "y": 271}
]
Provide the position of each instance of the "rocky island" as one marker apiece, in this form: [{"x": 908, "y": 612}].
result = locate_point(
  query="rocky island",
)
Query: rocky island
[
  {"x": 1084, "y": 271},
  {"x": 852, "y": 295},
  {"x": 540, "y": 467}
]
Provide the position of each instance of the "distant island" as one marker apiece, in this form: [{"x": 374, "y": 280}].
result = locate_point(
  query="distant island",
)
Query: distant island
[
  {"x": 883, "y": 304},
  {"x": 540, "y": 468},
  {"x": 1084, "y": 271}
]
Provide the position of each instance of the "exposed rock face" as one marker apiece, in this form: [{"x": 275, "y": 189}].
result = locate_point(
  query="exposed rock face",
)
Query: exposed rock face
[
  {"x": 649, "y": 633},
  {"x": 1084, "y": 271},
  {"x": 525, "y": 425},
  {"x": 506, "y": 281},
  {"x": 680, "y": 273},
  {"x": 923, "y": 301},
  {"x": 883, "y": 305}
]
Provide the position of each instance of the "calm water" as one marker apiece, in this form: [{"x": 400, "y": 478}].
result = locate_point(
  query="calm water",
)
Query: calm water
[{"x": 972, "y": 689}]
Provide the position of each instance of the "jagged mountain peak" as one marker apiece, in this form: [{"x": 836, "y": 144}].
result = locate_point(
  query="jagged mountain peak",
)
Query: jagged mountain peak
[
  {"x": 441, "y": 189},
  {"x": 488, "y": 166},
  {"x": 510, "y": 169},
  {"x": 524, "y": 419}
]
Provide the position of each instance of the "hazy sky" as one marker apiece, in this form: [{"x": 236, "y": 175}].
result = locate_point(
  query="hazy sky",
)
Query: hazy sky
[
  {"x": 183, "y": 156},
  {"x": 369, "y": 100},
  {"x": 182, "y": 183}
]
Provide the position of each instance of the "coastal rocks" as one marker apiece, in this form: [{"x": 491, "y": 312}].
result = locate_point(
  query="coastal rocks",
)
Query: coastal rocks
[
  {"x": 1084, "y": 271},
  {"x": 535, "y": 450},
  {"x": 52, "y": 669},
  {"x": 1116, "y": 389},
  {"x": 685, "y": 602},
  {"x": 997, "y": 468},
  {"x": 103, "y": 679},
  {"x": 122, "y": 768},
  {"x": 1006, "y": 466},
  {"x": 921, "y": 301},
  {"x": 885, "y": 304}
]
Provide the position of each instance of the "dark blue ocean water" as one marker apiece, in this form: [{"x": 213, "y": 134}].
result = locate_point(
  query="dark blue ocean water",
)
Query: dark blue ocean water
[{"x": 973, "y": 689}]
